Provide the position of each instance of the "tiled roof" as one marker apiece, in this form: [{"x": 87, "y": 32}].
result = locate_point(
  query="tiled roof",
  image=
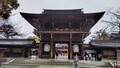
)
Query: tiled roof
[
  {"x": 16, "y": 42},
  {"x": 60, "y": 11},
  {"x": 105, "y": 43}
]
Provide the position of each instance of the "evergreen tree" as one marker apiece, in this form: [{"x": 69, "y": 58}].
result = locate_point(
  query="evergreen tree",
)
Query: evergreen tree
[
  {"x": 101, "y": 35},
  {"x": 6, "y": 6}
]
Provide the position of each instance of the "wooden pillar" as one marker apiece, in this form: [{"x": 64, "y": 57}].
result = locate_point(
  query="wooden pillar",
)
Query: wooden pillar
[
  {"x": 1, "y": 56},
  {"x": 40, "y": 50},
  {"x": 117, "y": 52},
  {"x": 26, "y": 53},
  {"x": 71, "y": 51},
  {"x": 82, "y": 51},
  {"x": 11, "y": 51},
  {"x": 23, "y": 52},
  {"x": 82, "y": 48},
  {"x": 51, "y": 48},
  {"x": 40, "y": 46}
]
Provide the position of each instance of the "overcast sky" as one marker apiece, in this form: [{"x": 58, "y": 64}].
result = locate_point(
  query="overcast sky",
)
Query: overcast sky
[{"x": 36, "y": 6}]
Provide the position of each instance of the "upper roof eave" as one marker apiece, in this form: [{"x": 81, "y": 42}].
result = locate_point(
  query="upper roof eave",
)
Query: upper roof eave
[{"x": 34, "y": 14}]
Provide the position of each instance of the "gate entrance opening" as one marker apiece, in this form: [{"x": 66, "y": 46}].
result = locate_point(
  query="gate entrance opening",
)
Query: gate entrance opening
[{"x": 61, "y": 50}]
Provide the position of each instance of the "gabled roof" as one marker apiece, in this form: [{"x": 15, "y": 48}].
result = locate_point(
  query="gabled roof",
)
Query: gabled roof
[
  {"x": 50, "y": 19},
  {"x": 105, "y": 43}
]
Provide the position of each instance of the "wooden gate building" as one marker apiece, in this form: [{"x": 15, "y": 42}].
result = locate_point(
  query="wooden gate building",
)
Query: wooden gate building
[{"x": 62, "y": 26}]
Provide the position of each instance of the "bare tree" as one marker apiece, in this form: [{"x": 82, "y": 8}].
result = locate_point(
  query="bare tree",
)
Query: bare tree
[
  {"x": 113, "y": 22},
  {"x": 10, "y": 30},
  {"x": 114, "y": 19}
]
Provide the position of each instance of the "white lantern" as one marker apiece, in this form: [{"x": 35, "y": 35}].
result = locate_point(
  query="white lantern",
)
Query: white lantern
[
  {"x": 75, "y": 48},
  {"x": 46, "y": 47}
]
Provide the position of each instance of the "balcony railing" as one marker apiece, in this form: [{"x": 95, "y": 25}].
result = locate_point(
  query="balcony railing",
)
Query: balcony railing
[{"x": 63, "y": 30}]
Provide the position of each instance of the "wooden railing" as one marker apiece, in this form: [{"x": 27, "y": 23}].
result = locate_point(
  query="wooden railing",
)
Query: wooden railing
[{"x": 63, "y": 31}]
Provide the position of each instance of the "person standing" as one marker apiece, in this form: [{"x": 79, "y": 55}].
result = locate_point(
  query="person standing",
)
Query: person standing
[
  {"x": 76, "y": 61},
  {"x": 99, "y": 57},
  {"x": 56, "y": 55}
]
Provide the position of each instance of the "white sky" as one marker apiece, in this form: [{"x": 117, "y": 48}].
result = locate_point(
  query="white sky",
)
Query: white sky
[{"x": 89, "y": 6}]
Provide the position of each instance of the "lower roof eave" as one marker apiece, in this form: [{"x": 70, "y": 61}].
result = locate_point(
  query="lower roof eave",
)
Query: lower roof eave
[{"x": 99, "y": 47}]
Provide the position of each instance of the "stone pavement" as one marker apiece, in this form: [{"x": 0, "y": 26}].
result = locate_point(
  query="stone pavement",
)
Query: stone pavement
[{"x": 52, "y": 63}]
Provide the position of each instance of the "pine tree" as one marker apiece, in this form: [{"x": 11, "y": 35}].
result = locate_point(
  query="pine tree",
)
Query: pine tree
[
  {"x": 6, "y": 6},
  {"x": 101, "y": 35}
]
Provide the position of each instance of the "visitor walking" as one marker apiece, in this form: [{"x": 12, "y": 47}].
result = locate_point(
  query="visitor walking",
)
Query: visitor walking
[{"x": 76, "y": 61}]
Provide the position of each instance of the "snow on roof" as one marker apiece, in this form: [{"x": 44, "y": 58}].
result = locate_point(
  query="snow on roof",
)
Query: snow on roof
[{"x": 18, "y": 21}]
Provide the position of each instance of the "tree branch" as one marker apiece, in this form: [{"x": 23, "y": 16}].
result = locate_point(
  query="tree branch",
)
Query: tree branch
[
  {"x": 112, "y": 23},
  {"x": 116, "y": 15}
]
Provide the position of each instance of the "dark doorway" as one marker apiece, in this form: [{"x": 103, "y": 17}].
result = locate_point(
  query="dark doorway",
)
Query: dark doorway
[{"x": 61, "y": 50}]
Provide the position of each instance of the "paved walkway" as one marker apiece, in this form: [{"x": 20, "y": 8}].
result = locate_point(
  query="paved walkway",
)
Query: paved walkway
[{"x": 50, "y": 63}]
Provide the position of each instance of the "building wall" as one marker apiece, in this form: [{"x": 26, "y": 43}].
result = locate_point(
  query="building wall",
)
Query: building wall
[
  {"x": 15, "y": 52},
  {"x": 110, "y": 54}
]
